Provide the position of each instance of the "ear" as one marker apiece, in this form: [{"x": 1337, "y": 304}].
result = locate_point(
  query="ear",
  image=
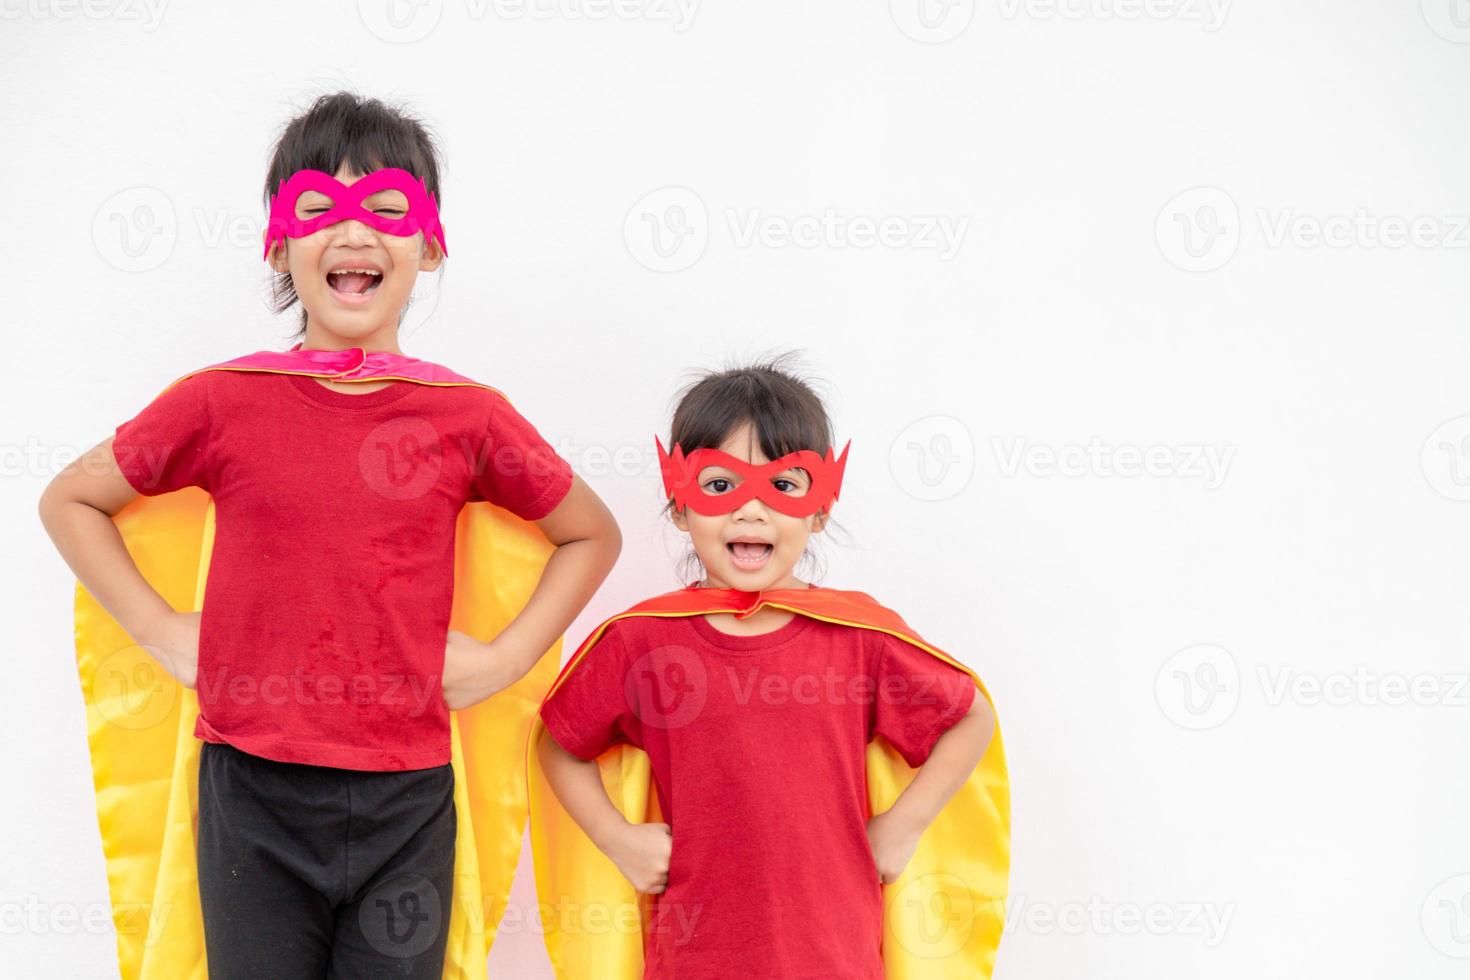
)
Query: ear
[
  {"x": 820, "y": 519},
  {"x": 432, "y": 256},
  {"x": 680, "y": 519},
  {"x": 277, "y": 256}
]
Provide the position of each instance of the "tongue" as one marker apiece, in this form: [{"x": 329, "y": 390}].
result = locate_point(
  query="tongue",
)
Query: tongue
[
  {"x": 353, "y": 282},
  {"x": 749, "y": 551}
]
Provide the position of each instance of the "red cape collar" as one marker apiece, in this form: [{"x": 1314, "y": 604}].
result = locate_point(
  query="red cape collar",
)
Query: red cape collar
[
  {"x": 833, "y": 605},
  {"x": 348, "y": 364}
]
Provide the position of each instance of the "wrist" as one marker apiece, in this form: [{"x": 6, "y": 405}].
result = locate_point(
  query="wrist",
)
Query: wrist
[
  {"x": 146, "y": 627},
  {"x": 903, "y": 820},
  {"x": 608, "y": 830},
  {"x": 498, "y": 671}
]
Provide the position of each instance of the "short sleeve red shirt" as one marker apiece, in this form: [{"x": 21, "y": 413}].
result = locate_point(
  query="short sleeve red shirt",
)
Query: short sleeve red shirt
[
  {"x": 758, "y": 751},
  {"x": 332, "y": 571}
]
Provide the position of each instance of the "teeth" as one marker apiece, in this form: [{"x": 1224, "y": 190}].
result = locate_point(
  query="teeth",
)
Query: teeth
[{"x": 369, "y": 272}]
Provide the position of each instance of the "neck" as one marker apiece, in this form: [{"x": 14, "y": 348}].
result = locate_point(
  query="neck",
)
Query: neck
[
  {"x": 789, "y": 582},
  {"x": 384, "y": 339}
]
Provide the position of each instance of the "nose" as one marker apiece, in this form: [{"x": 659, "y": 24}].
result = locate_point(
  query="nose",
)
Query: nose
[
  {"x": 753, "y": 509},
  {"x": 351, "y": 232}
]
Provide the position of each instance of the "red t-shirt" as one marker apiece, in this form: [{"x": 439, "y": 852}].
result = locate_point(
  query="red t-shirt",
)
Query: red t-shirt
[
  {"x": 331, "y": 578},
  {"x": 757, "y": 746}
]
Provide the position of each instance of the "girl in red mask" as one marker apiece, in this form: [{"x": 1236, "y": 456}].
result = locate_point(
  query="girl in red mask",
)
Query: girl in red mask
[{"x": 754, "y": 775}]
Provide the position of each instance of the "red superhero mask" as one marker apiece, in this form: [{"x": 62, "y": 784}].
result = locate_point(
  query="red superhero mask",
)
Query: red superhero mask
[
  {"x": 346, "y": 203},
  {"x": 682, "y": 483}
]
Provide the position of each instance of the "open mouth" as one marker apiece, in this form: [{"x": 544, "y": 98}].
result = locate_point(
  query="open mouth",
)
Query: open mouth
[
  {"x": 749, "y": 556},
  {"x": 354, "y": 285}
]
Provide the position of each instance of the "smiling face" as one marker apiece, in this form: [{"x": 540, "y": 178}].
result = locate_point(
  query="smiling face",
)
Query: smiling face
[
  {"x": 352, "y": 280},
  {"x": 754, "y": 547}
]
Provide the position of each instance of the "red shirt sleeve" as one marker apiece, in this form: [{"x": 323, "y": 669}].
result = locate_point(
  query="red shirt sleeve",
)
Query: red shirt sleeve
[
  {"x": 165, "y": 447},
  {"x": 518, "y": 469},
  {"x": 916, "y": 698},
  {"x": 590, "y": 712}
]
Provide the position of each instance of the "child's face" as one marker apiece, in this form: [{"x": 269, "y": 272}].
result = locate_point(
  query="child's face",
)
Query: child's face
[
  {"x": 754, "y": 568},
  {"x": 354, "y": 305}
]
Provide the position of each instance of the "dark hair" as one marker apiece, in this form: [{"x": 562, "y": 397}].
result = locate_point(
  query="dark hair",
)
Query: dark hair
[
  {"x": 364, "y": 133},
  {"x": 783, "y": 410}
]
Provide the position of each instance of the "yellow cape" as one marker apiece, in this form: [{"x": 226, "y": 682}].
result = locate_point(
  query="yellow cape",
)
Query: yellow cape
[
  {"x": 943, "y": 917},
  {"x": 145, "y": 758}
]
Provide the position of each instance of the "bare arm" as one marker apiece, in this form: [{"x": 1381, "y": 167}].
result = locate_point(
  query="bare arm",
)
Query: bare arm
[
  {"x": 587, "y": 543},
  {"x": 76, "y": 509},
  {"x": 894, "y": 833},
  {"x": 641, "y": 851}
]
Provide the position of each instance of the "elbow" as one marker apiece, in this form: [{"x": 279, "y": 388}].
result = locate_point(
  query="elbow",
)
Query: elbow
[
  {"x": 545, "y": 745},
  {"x": 613, "y": 542},
  {"x": 51, "y": 501},
  {"x": 604, "y": 539},
  {"x": 550, "y": 752},
  {"x": 982, "y": 716}
]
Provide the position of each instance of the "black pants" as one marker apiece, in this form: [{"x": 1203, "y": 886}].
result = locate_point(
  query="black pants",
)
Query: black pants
[{"x": 319, "y": 873}]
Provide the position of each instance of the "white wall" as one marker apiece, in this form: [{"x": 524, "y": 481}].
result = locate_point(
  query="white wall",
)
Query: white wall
[{"x": 1132, "y": 200}]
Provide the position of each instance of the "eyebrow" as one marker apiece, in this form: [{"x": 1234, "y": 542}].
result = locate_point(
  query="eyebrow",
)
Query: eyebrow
[
  {"x": 800, "y": 470},
  {"x": 370, "y": 197}
]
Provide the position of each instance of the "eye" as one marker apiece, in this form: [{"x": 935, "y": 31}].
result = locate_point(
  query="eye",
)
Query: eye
[
  {"x": 795, "y": 484},
  {"x": 317, "y": 210},
  {"x": 396, "y": 212},
  {"x": 717, "y": 485}
]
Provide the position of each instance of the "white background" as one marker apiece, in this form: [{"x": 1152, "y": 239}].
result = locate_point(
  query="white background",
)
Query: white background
[{"x": 1137, "y": 187}]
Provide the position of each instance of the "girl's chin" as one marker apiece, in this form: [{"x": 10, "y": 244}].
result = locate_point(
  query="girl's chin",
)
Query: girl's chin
[{"x": 735, "y": 576}]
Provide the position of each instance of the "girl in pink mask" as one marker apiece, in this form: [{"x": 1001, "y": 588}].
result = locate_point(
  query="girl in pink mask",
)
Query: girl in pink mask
[
  {"x": 756, "y": 776},
  {"x": 321, "y": 591}
]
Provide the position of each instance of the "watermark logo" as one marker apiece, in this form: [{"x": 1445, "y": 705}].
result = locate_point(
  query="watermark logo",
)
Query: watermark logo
[
  {"x": 667, "y": 686},
  {"x": 135, "y": 230},
  {"x": 1201, "y": 686},
  {"x": 932, "y": 21},
  {"x": 313, "y": 688},
  {"x": 1209, "y": 13},
  {"x": 1445, "y": 917},
  {"x": 942, "y": 234},
  {"x": 1199, "y": 229},
  {"x": 933, "y": 458},
  {"x": 148, "y": 13},
  {"x": 1100, "y": 916},
  {"x": 1198, "y": 687},
  {"x": 1445, "y": 459},
  {"x": 34, "y": 916},
  {"x": 402, "y": 458},
  {"x": 1450, "y": 19},
  {"x": 1362, "y": 687},
  {"x": 834, "y": 687},
  {"x": 1186, "y": 461},
  {"x": 400, "y": 21},
  {"x": 1362, "y": 229},
  {"x": 677, "y": 13},
  {"x": 402, "y": 916},
  {"x": 132, "y": 690},
  {"x": 667, "y": 230},
  {"x": 931, "y": 915}
]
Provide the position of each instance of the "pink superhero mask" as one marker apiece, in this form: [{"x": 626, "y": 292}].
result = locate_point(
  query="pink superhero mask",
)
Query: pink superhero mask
[
  {"x": 346, "y": 203},
  {"x": 681, "y": 480}
]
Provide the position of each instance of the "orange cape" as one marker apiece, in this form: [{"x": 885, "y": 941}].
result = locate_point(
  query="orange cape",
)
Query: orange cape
[
  {"x": 140, "y": 721},
  {"x": 944, "y": 915}
]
